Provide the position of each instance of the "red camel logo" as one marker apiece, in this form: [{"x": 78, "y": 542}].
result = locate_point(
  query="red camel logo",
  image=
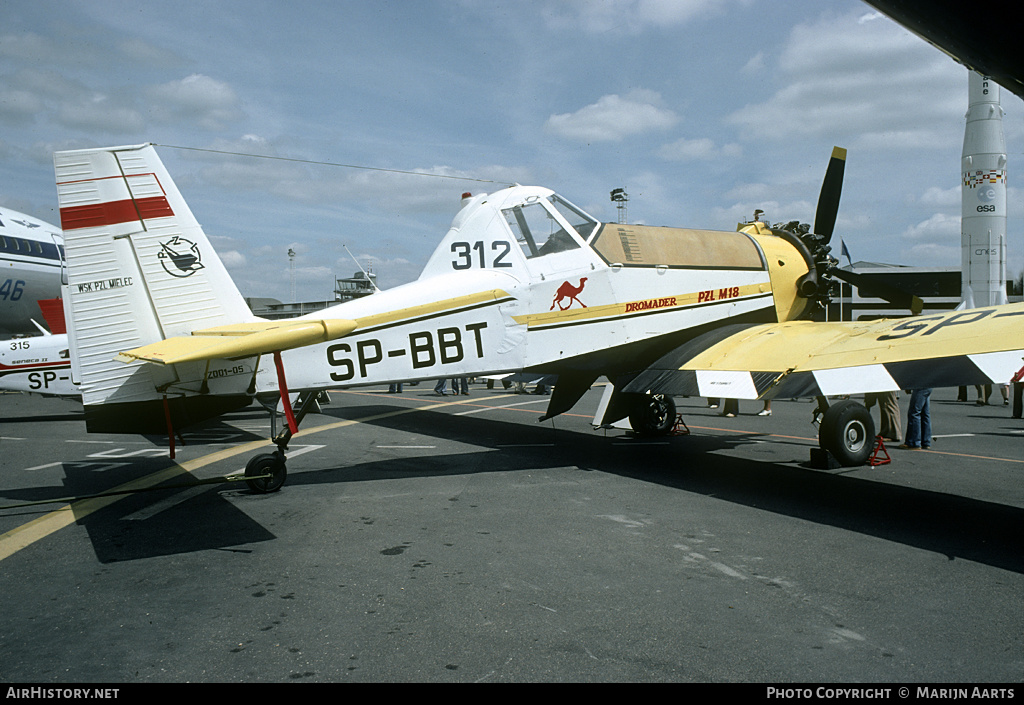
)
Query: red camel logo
[{"x": 568, "y": 291}]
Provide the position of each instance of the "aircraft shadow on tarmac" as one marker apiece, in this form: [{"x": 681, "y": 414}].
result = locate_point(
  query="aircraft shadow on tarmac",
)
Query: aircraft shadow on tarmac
[
  {"x": 182, "y": 516},
  {"x": 46, "y": 418},
  {"x": 138, "y": 526},
  {"x": 957, "y": 527}
]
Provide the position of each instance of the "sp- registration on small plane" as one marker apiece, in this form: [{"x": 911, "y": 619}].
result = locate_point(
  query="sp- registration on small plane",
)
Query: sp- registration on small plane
[
  {"x": 523, "y": 282},
  {"x": 39, "y": 364}
]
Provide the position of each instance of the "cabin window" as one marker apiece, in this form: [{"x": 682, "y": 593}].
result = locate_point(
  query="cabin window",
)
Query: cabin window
[
  {"x": 537, "y": 231},
  {"x": 582, "y": 223}
]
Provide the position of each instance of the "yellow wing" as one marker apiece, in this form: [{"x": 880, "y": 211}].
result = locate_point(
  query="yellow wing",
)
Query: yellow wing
[
  {"x": 240, "y": 340},
  {"x": 804, "y": 358}
]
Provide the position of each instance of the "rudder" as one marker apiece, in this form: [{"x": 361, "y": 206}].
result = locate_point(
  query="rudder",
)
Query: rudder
[{"x": 140, "y": 269}]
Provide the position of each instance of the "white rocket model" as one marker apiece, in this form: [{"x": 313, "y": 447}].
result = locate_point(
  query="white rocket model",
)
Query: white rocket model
[{"x": 983, "y": 189}]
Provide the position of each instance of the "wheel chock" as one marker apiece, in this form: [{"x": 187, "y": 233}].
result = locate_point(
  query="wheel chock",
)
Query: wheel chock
[
  {"x": 875, "y": 459},
  {"x": 821, "y": 459}
]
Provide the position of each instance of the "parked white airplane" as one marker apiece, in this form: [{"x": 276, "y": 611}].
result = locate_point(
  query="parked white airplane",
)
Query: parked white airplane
[
  {"x": 524, "y": 281},
  {"x": 31, "y": 265},
  {"x": 40, "y": 363}
]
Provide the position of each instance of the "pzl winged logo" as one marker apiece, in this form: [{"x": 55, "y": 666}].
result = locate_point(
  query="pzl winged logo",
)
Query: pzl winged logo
[
  {"x": 669, "y": 311},
  {"x": 180, "y": 257}
]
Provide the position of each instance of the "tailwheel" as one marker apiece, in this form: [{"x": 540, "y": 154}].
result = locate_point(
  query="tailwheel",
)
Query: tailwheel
[
  {"x": 267, "y": 471},
  {"x": 847, "y": 431},
  {"x": 653, "y": 415}
]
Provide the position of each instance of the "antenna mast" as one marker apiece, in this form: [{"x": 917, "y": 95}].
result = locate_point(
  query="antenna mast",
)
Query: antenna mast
[{"x": 620, "y": 198}]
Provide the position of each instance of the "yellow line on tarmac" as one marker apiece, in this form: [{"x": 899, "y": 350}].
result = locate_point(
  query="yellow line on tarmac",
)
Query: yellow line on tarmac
[{"x": 41, "y": 527}]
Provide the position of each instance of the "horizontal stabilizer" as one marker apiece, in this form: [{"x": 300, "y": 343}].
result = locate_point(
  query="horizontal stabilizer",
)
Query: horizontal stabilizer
[{"x": 239, "y": 340}]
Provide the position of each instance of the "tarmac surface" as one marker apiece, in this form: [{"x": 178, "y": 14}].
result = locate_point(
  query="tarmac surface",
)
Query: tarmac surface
[{"x": 459, "y": 540}]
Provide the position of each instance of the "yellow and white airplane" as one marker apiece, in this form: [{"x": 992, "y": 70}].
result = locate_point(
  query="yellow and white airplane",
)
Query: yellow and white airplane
[{"x": 524, "y": 281}]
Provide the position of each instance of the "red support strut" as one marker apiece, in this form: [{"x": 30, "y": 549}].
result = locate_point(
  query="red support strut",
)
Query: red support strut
[{"x": 282, "y": 385}]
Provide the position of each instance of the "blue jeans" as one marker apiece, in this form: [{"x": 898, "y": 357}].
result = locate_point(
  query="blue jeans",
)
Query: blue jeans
[{"x": 919, "y": 419}]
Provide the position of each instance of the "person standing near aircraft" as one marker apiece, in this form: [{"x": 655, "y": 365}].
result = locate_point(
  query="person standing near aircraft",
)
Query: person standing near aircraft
[
  {"x": 919, "y": 421},
  {"x": 1017, "y": 382},
  {"x": 889, "y": 413}
]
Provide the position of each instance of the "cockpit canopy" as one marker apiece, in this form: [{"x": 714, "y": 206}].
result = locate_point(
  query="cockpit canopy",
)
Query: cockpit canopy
[
  {"x": 539, "y": 233},
  {"x": 486, "y": 232}
]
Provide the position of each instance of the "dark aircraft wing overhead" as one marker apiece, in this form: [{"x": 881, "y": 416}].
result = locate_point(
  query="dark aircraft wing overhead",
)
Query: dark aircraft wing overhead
[{"x": 984, "y": 37}]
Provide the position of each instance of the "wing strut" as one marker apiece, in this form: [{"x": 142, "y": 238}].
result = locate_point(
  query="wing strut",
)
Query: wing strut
[
  {"x": 282, "y": 385},
  {"x": 170, "y": 428}
]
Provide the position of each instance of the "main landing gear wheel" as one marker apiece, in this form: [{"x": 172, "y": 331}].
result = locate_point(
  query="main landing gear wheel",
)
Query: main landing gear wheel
[
  {"x": 654, "y": 415},
  {"x": 269, "y": 464},
  {"x": 847, "y": 431}
]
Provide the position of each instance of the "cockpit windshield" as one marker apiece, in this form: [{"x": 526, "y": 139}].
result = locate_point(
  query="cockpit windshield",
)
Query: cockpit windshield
[
  {"x": 582, "y": 223},
  {"x": 539, "y": 233}
]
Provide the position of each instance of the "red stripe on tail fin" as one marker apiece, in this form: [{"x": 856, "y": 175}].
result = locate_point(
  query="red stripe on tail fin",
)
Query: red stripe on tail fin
[{"x": 53, "y": 312}]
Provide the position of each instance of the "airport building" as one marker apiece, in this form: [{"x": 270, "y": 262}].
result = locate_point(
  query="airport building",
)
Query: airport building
[
  {"x": 938, "y": 287},
  {"x": 358, "y": 285}
]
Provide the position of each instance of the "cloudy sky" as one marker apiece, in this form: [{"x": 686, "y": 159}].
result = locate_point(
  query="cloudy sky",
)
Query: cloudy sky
[{"x": 703, "y": 110}]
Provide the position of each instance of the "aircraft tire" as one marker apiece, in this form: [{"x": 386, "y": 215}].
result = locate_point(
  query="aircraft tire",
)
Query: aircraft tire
[
  {"x": 654, "y": 415},
  {"x": 847, "y": 431},
  {"x": 266, "y": 464}
]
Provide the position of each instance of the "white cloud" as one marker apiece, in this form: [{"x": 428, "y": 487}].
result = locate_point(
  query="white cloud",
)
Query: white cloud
[
  {"x": 206, "y": 101},
  {"x": 755, "y": 65},
  {"x": 937, "y": 228},
  {"x": 30, "y": 47},
  {"x": 101, "y": 114},
  {"x": 684, "y": 150},
  {"x": 614, "y": 117},
  {"x": 930, "y": 254},
  {"x": 232, "y": 259},
  {"x": 944, "y": 197},
  {"x": 632, "y": 16},
  {"x": 19, "y": 106},
  {"x": 867, "y": 81}
]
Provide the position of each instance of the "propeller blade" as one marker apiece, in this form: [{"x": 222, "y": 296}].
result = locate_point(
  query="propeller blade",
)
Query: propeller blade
[
  {"x": 831, "y": 190},
  {"x": 870, "y": 286}
]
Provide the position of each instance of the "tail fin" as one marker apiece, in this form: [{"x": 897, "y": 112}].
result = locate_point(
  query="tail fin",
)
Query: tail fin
[{"x": 140, "y": 269}]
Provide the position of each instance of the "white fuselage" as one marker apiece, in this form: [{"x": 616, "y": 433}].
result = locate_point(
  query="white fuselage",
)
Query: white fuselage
[
  {"x": 563, "y": 310},
  {"x": 39, "y": 364},
  {"x": 522, "y": 281},
  {"x": 30, "y": 270}
]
